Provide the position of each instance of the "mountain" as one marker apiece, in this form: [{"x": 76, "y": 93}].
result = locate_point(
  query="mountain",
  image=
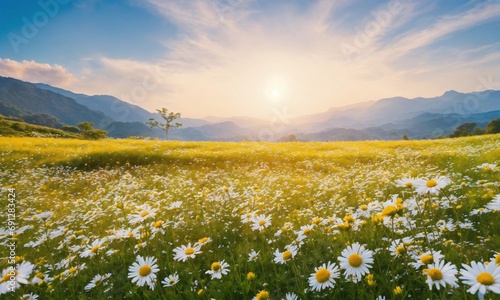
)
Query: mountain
[
  {"x": 380, "y": 112},
  {"x": 388, "y": 118},
  {"x": 19, "y": 98},
  {"x": 118, "y": 110}
]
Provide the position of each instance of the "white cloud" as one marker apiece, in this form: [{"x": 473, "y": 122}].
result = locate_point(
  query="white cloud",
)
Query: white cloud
[{"x": 36, "y": 72}]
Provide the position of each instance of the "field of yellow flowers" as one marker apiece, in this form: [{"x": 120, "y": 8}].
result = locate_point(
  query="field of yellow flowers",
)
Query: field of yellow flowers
[{"x": 142, "y": 219}]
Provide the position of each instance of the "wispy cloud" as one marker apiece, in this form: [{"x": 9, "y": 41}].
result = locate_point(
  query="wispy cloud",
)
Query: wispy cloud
[{"x": 36, "y": 72}]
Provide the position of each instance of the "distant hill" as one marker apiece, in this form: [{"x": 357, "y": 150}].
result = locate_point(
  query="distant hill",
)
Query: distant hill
[
  {"x": 118, "y": 110},
  {"x": 19, "y": 98},
  {"x": 11, "y": 126},
  {"x": 386, "y": 119}
]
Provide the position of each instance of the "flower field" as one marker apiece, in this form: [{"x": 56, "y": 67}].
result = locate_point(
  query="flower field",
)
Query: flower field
[{"x": 131, "y": 219}]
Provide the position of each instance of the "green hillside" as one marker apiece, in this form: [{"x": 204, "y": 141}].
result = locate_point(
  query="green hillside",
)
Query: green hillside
[{"x": 10, "y": 126}]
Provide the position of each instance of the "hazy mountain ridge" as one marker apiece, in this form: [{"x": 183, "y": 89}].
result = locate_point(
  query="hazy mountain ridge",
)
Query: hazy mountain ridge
[
  {"x": 24, "y": 99},
  {"x": 388, "y": 118}
]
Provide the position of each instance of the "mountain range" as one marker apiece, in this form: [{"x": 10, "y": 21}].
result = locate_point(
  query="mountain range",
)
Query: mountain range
[{"x": 389, "y": 118}]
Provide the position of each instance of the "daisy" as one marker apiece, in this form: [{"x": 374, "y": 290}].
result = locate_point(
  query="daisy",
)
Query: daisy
[
  {"x": 170, "y": 280},
  {"x": 481, "y": 278},
  {"x": 98, "y": 279},
  {"x": 253, "y": 256},
  {"x": 426, "y": 258},
  {"x": 291, "y": 296},
  {"x": 145, "y": 212},
  {"x": 261, "y": 222},
  {"x": 356, "y": 261},
  {"x": 440, "y": 274},
  {"x": 143, "y": 271},
  {"x": 30, "y": 296},
  {"x": 285, "y": 256},
  {"x": 407, "y": 182},
  {"x": 494, "y": 204},
  {"x": 203, "y": 241},
  {"x": 183, "y": 253},
  {"x": 12, "y": 277},
  {"x": 217, "y": 269},
  {"x": 248, "y": 217},
  {"x": 496, "y": 259},
  {"x": 93, "y": 249},
  {"x": 323, "y": 277},
  {"x": 431, "y": 186}
]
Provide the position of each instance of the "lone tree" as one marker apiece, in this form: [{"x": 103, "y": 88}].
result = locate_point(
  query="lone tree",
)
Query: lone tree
[
  {"x": 169, "y": 117},
  {"x": 88, "y": 132}
]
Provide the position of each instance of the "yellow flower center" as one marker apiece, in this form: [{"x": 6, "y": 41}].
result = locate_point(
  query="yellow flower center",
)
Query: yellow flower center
[
  {"x": 262, "y": 295},
  {"x": 400, "y": 250},
  {"x": 158, "y": 224},
  {"x": 72, "y": 270},
  {"x": 144, "y": 270},
  {"x": 287, "y": 255},
  {"x": 409, "y": 184},
  {"x": 306, "y": 231},
  {"x": 427, "y": 259},
  {"x": 7, "y": 276},
  {"x": 389, "y": 211},
  {"x": 203, "y": 240},
  {"x": 363, "y": 207},
  {"x": 189, "y": 251},
  {"x": 95, "y": 249},
  {"x": 262, "y": 222},
  {"x": 435, "y": 274},
  {"x": 497, "y": 259},
  {"x": 97, "y": 281},
  {"x": 349, "y": 219},
  {"x": 171, "y": 281},
  {"x": 431, "y": 183},
  {"x": 215, "y": 266},
  {"x": 322, "y": 275},
  {"x": 485, "y": 278},
  {"x": 144, "y": 213},
  {"x": 355, "y": 260}
]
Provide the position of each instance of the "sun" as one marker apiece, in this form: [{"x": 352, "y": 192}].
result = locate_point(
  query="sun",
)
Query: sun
[{"x": 275, "y": 93}]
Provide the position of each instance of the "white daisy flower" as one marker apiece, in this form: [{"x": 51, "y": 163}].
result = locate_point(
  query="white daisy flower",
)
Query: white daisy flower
[
  {"x": 261, "y": 222},
  {"x": 440, "y": 274},
  {"x": 425, "y": 258},
  {"x": 98, "y": 279},
  {"x": 481, "y": 278},
  {"x": 143, "y": 271},
  {"x": 431, "y": 186},
  {"x": 12, "y": 277},
  {"x": 183, "y": 253},
  {"x": 323, "y": 277},
  {"x": 253, "y": 255},
  {"x": 248, "y": 217},
  {"x": 291, "y": 296},
  {"x": 356, "y": 261},
  {"x": 170, "y": 280},
  {"x": 145, "y": 212},
  {"x": 30, "y": 296},
  {"x": 217, "y": 269},
  {"x": 407, "y": 182},
  {"x": 285, "y": 256},
  {"x": 93, "y": 248},
  {"x": 494, "y": 204}
]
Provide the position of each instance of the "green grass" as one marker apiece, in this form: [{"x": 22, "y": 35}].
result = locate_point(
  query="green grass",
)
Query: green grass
[{"x": 93, "y": 187}]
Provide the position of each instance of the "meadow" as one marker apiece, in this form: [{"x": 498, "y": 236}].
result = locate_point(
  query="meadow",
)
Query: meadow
[{"x": 145, "y": 219}]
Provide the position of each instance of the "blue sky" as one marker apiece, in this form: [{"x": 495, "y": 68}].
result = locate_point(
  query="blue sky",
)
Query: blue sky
[{"x": 251, "y": 57}]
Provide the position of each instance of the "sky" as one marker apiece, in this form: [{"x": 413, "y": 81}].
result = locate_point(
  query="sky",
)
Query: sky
[{"x": 252, "y": 57}]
